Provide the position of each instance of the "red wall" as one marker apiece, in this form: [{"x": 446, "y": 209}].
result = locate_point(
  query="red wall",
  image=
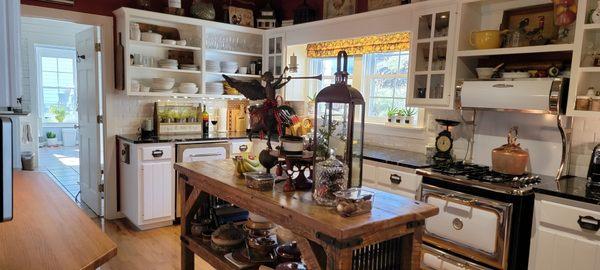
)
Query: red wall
[{"x": 284, "y": 8}]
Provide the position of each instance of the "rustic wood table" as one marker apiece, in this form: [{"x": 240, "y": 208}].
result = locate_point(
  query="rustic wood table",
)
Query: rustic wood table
[
  {"x": 387, "y": 238},
  {"x": 49, "y": 231}
]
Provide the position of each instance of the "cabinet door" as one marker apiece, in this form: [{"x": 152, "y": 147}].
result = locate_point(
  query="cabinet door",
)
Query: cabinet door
[
  {"x": 431, "y": 56},
  {"x": 274, "y": 52},
  {"x": 556, "y": 250},
  {"x": 157, "y": 190}
]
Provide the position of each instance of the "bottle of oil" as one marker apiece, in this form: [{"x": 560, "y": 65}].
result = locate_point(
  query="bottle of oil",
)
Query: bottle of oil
[{"x": 204, "y": 121}]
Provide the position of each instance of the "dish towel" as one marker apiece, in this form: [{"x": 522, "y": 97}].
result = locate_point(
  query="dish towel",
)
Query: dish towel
[{"x": 26, "y": 136}]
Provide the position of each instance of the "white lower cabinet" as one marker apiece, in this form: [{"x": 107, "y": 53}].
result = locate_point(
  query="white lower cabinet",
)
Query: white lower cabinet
[
  {"x": 565, "y": 235},
  {"x": 394, "y": 179},
  {"x": 148, "y": 185}
]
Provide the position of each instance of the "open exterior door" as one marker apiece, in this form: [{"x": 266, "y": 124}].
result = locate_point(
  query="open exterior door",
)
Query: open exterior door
[{"x": 88, "y": 97}]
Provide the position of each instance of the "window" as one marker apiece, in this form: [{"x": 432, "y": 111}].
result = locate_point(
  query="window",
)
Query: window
[
  {"x": 382, "y": 78},
  {"x": 328, "y": 67},
  {"x": 385, "y": 83},
  {"x": 56, "y": 73}
]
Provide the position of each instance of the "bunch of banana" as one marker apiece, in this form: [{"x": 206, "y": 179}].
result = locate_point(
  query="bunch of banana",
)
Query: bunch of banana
[{"x": 246, "y": 163}]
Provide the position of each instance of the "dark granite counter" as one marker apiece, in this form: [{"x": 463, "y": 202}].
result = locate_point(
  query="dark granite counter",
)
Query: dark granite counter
[
  {"x": 403, "y": 158},
  {"x": 574, "y": 188},
  {"x": 214, "y": 136}
]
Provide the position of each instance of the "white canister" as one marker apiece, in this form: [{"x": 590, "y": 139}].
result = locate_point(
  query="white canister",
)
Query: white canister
[
  {"x": 134, "y": 32},
  {"x": 175, "y": 3}
]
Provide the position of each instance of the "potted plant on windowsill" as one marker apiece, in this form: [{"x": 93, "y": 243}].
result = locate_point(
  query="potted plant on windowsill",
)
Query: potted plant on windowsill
[
  {"x": 400, "y": 116},
  {"x": 409, "y": 115},
  {"x": 51, "y": 139},
  {"x": 392, "y": 114}
]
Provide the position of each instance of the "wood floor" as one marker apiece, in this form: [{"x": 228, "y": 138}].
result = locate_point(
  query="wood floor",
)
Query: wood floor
[{"x": 152, "y": 249}]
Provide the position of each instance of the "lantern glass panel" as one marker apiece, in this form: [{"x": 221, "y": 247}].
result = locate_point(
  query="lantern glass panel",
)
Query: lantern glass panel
[{"x": 357, "y": 146}]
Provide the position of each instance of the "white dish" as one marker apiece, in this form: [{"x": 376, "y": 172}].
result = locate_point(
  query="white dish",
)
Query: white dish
[
  {"x": 163, "y": 83},
  {"x": 166, "y": 79},
  {"x": 485, "y": 73},
  {"x": 169, "y": 41},
  {"x": 187, "y": 84},
  {"x": 515, "y": 75},
  {"x": 188, "y": 90},
  {"x": 182, "y": 42},
  {"x": 151, "y": 37}
]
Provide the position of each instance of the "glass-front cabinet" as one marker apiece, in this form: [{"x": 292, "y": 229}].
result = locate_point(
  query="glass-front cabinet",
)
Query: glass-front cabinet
[
  {"x": 274, "y": 53},
  {"x": 432, "y": 41}
]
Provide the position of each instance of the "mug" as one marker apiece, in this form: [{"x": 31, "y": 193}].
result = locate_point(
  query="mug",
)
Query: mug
[{"x": 487, "y": 39}]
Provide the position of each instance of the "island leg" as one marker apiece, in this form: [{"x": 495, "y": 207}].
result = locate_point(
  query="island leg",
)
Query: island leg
[{"x": 189, "y": 204}]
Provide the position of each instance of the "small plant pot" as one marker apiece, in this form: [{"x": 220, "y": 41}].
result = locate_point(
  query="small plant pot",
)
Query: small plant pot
[
  {"x": 393, "y": 119},
  {"x": 400, "y": 120},
  {"x": 51, "y": 141},
  {"x": 409, "y": 120}
]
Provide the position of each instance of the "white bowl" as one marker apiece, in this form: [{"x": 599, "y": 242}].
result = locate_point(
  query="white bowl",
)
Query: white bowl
[
  {"x": 187, "y": 84},
  {"x": 163, "y": 85},
  {"x": 169, "y": 41},
  {"x": 163, "y": 80},
  {"x": 151, "y": 37},
  {"x": 485, "y": 73},
  {"x": 182, "y": 42},
  {"x": 188, "y": 90}
]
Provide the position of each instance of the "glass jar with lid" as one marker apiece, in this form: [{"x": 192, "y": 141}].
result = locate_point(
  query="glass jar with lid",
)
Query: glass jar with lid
[{"x": 330, "y": 177}]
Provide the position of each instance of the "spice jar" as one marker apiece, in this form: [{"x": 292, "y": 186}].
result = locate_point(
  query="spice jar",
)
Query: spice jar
[
  {"x": 595, "y": 106},
  {"x": 330, "y": 177},
  {"x": 582, "y": 103}
]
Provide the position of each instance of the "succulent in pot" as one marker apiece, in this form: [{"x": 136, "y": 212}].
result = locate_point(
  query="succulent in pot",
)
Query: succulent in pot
[
  {"x": 392, "y": 114},
  {"x": 409, "y": 115},
  {"x": 400, "y": 116}
]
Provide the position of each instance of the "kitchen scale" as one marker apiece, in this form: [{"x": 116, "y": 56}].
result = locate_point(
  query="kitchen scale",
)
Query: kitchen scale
[{"x": 444, "y": 142}]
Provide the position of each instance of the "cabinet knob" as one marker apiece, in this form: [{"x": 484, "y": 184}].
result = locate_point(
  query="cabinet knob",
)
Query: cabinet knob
[
  {"x": 589, "y": 223},
  {"x": 395, "y": 179}
]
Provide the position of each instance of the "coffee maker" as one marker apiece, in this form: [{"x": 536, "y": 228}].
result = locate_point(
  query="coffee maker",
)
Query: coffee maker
[{"x": 594, "y": 170}]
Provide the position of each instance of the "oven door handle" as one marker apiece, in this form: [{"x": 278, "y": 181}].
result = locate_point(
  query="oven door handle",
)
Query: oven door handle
[
  {"x": 458, "y": 199},
  {"x": 205, "y": 155}
]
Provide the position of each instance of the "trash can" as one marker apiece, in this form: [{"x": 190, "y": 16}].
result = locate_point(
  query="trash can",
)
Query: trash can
[
  {"x": 69, "y": 136},
  {"x": 28, "y": 160}
]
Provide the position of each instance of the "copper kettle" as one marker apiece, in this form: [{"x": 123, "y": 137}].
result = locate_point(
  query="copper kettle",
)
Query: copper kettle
[{"x": 510, "y": 158}]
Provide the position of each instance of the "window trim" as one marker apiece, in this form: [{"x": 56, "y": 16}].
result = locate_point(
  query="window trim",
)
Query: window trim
[{"x": 42, "y": 50}]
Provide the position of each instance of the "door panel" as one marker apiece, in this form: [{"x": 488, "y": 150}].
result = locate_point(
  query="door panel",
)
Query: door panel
[
  {"x": 157, "y": 193},
  {"x": 88, "y": 110}
]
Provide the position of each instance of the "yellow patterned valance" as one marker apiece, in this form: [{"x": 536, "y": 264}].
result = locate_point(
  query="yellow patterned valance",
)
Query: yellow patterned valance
[{"x": 363, "y": 45}]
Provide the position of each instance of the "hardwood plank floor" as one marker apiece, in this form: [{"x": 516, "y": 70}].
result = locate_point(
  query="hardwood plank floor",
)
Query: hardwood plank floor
[{"x": 151, "y": 249}]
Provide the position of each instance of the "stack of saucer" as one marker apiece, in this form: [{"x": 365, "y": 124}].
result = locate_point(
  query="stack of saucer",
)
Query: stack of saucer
[
  {"x": 214, "y": 88},
  {"x": 188, "y": 67},
  {"x": 212, "y": 66},
  {"x": 229, "y": 66},
  {"x": 167, "y": 63},
  {"x": 162, "y": 84}
]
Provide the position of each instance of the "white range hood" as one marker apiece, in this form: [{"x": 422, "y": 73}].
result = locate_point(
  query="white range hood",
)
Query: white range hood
[{"x": 546, "y": 95}]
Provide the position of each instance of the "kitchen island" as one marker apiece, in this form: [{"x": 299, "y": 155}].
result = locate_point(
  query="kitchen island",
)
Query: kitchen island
[{"x": 327, "y": 240}]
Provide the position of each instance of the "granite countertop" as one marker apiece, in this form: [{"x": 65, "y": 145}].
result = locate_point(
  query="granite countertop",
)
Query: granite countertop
[
  {"x": 574, "y": 188},
  {"x": 403, "y": 158},
  {"x": 213, "y": 136}
]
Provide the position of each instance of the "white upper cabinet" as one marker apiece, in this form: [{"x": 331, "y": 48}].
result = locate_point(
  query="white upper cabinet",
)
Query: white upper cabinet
[
  {"x": 274, "y": 51},
  {"x": 431, "y": 54}
]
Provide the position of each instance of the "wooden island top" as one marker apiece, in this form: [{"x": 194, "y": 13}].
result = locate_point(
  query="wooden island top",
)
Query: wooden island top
[
  {"x": 392, "y": 216},
  {"x": 49, "y": 231}
]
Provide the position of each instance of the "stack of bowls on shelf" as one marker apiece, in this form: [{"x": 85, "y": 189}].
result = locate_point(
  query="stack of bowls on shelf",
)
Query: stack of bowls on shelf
[
  {"x": 188, "y": 88},
  {"x": 188, "y": 67},
  {"x": 229, "y": 66},
  {"x": 214, "y": 88},
  {"x": 212, "y": 66},
  {"x": 168, "y": 63},
  {"x": 162, "y": 85}
]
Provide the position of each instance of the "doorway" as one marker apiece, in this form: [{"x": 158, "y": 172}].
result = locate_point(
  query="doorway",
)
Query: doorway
[{"x": 61, "y": 71}]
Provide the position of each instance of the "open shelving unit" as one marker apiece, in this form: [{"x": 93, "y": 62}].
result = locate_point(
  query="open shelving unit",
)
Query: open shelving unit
[{"x": 196, "y": 32}]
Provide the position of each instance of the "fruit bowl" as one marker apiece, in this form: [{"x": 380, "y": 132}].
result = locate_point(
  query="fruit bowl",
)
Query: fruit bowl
[{"x": 246, "y": 163}]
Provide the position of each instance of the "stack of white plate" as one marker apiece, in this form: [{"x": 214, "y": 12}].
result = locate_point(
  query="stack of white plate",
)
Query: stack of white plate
[
  {"x": 212, "y": 66},
  {"x": 214, "y": 88},
  {"x": 188, "y": 67},
  {"x": 188, "y": 88},
  {"x": 168, "y": 63},
  {"x": 162, "y": 85},
  {"x": 229, "y": 66}
]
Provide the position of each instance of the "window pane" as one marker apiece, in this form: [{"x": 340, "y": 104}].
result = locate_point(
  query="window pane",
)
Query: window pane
[
  {"x": 49, "y": 79},
  {"x": 329, "y": 66},
  {"x": 49, "y": 64},
  {"x": 379, "y": 106},
  {"x": 386, "y": 63},
  {"x": 400, "y": 87},
  {"x": 66, "y": 80},
  {"x": 65, "y": 65},
  {"x": 50, "y": 96},
  {"x": 404, "y": 62},
  {"x": 382, "y": 87},
  {"x": 400, "y": 103}
]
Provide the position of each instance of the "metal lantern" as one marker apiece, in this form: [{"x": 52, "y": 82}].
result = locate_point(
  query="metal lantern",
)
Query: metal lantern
[{"x": 339, "y": 128}]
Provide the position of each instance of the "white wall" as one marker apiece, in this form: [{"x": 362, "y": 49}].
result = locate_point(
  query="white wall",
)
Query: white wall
[{"x": 36, "y": 31}]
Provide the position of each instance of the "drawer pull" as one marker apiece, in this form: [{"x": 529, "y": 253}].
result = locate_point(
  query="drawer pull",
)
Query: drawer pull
[
  {"x": 395, "y": 179},
  {"x": 157, "y": 153},
  {"x": 589, "y": 223}
]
